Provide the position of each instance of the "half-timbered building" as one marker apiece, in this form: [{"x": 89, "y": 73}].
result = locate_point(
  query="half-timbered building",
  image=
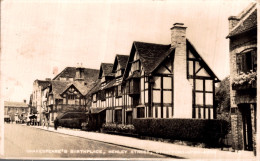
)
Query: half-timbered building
[
  {"x": 168, "y": 81},
  {"x": 64, "y": 95},
  {"x": 159, "y": 81}
]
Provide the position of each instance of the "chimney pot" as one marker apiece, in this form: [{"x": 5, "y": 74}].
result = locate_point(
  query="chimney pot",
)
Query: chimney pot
[{"x": 178, "y": 24}]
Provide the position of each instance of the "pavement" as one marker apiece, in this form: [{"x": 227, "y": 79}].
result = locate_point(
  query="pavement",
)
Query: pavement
[{"x": 168, "y": 149}]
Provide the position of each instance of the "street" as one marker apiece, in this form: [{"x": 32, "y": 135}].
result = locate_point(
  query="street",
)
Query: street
[{"x": 28, "y": 142}]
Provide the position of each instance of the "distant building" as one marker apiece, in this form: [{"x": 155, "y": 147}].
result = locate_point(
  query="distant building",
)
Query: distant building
[
  {"x": 66, "y": 92},
  {"x": 16, "y": 111},
  {"x": 36, "y": 104},
  {"x": 243, "y": 64}
]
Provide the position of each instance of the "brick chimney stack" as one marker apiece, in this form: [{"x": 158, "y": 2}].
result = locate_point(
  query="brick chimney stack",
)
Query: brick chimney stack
[
  {"x": 178, "y": 41},
  {"x": 182, "y": 100},
  {"x": 79, "y": 73}
]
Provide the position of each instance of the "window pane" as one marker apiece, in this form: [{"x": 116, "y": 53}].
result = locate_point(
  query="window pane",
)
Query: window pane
[
  {"x": 156, "y": 96},
  {"x": 142, "y": 83},
  {"x": 199, "y": 98},
  {"x": 211, "y": 113},
  {"x": 146, "y": 96},
  {"x": 209, "y": 99},
  {"x": 167, "y": 96},
  {"x": 142, "y": 97},
  {"x": 207, "y": 113},
  {"x": 197, "y": 112},
  {"x": 209, "y": 86},
  {"x": 167, "y": 83},
  {"x": 199, "y": 84}
]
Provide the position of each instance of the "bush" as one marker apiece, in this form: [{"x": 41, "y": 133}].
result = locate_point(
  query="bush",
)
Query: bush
[
  {"x": 195, "y": 130},
  {"x": 119, "y": 128}
]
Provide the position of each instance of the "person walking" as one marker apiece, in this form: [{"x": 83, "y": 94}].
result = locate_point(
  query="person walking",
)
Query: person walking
[{"x": 56, "y": 123}]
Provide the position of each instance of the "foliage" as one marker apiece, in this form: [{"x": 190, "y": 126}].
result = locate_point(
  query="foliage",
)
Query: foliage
[
  {"x": 244, "y": 78},
  {"x": 120, "y": 128},
  {"x": 196, "y": 130},
  {"x": 222, "y": 95}
]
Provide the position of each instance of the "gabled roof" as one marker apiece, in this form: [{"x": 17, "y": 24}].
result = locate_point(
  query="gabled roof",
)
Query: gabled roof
[
  {"x": 58, "y": 87},
  {"x": 15, "y": 104},
  {"x": 121, "y": 60},
  {"x": 70, "y": 72},
  {"x": 43, "y": 83},
  {"x": 106, "y": 69},
  {"x": 83, "y": 89},
  {"x": 95, "y": 88},
  {"x": 205, "y": 65},
  {"x": 247, "y": 21},
  {"x": 160, "y": 60},
  {"x": 151, "y": 55},
  {"x": 110, "y": 84}
]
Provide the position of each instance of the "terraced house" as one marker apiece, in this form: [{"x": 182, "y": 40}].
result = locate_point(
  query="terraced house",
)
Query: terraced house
[
  {"x": 243, "y": 64},
  {"x": 157, "y": 81}
]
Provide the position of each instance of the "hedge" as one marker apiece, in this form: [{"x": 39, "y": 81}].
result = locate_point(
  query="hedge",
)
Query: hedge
[
  {"x": 195, "y": 130},
  {"x": 118, "y": 128}
]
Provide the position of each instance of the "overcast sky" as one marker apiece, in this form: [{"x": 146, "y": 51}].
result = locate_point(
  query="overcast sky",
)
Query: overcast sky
[{"x": 38, "y": 36}]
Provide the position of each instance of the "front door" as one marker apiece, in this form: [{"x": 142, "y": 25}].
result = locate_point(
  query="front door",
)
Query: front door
[{"x": 247, "y": 127}]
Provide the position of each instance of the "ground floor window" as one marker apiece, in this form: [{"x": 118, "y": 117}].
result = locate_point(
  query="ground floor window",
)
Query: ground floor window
[
  {"x": 129, "y": 117},
  {"x": 140, "y": 112},
  {"x": 118, "y": 116}
]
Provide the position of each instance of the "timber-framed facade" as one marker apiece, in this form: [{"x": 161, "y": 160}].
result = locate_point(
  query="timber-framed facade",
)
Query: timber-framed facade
[{"x": 157, "y": 81}]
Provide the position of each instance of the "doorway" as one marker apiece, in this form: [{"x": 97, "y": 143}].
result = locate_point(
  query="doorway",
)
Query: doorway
[{"x": 247, "y": 126}]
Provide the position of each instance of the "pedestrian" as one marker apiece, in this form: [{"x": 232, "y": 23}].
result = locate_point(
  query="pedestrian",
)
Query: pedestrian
[
  {"x": 48, "y": 123},
  {"x": 56, "y": 123}
]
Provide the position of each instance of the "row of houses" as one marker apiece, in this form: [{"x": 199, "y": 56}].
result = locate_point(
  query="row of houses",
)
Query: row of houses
[
  {"x": 154, "y": 80},
  {"x": 159, "y": 81}
]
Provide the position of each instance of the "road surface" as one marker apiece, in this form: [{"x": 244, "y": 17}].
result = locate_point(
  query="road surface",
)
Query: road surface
[{"x": 28, "y": 142}]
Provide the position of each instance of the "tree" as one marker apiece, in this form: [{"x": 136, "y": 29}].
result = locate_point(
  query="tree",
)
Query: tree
[{"x": 223, "y": 95}]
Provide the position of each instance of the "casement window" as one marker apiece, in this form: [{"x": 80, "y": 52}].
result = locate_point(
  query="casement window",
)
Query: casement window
[
  {"x": 134, "y": 86},
  {"x": 246, "y": 61},
  {"x": 204, "y": 99},
  {"x": 118, "y": 91},
  {"x": 71, "y": 99}
]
